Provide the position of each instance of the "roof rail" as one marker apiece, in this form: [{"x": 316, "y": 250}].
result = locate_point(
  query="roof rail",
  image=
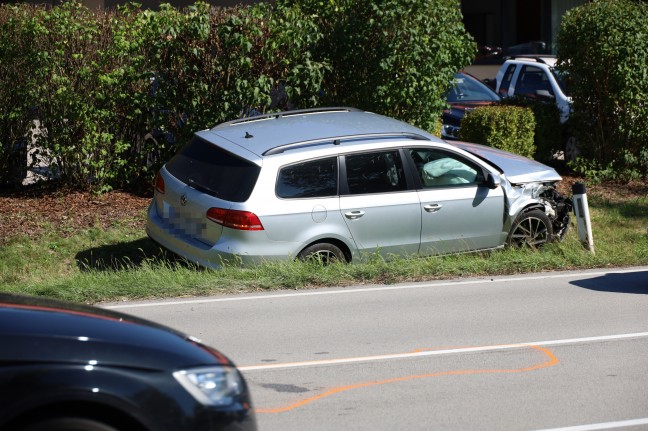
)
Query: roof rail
[
  {"x": 537, "y": 57},
  {"x": 287, "y": 114},
  {"x": 337, "y": 140}
]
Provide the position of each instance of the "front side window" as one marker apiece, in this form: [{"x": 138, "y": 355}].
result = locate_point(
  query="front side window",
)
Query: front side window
[
  {"x": 312, "y": 179},
  {"x": 437, "y": 168},
  {"x": 534, "y": 83},
  {"x": 376, "y": 172}
]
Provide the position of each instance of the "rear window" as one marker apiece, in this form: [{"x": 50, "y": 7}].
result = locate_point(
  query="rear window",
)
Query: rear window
[{"x": 212, "y": 170}]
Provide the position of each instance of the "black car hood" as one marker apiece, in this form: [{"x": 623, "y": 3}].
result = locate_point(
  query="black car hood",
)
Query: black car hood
[
  {"x": 40, "y": 330},
  {"x": 457, "y": 111}
]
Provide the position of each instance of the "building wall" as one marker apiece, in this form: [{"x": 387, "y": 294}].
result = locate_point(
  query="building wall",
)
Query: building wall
[{"x": 509, "y": 23}]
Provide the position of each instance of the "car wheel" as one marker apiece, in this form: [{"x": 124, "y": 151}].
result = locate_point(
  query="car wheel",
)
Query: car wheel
[
  {"x": 571, "y": 149},
  {"x": 531, "y": 229},
  {"x": 69, "y": 424},
  {"x": 322, "y": 252}
]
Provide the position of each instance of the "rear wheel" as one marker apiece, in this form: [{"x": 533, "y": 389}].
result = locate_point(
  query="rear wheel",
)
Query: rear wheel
[
  {"x": 68, "y": 424},
  {"x": 531, "y": 229},
  {"x": 322, "y": 252}
]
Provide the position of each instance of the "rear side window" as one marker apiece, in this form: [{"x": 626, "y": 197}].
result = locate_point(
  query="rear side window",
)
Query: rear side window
[
  {"x": 312, "y": 179},
  {"x": 380, "y": 172},
  {"x": 212, "y": 170}
]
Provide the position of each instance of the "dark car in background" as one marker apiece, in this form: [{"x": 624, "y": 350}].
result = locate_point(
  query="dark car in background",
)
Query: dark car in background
[
  {"x": 467, "y": 93},
  {"x": 80, "y": 368}
]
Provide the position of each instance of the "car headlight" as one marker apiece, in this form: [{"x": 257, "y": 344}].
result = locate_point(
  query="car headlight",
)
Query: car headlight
[
  {"x": 449, "y": 131},
  {"x": 212, "y": 386}
]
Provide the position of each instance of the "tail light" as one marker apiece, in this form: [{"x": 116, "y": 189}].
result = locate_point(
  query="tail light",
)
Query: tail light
[
  {"x": 159, "y": 183},
  {"x": 241, "y": 220}
]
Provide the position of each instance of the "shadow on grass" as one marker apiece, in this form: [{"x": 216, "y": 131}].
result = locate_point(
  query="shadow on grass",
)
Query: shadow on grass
[
  {"x": 127, "y": 255},
  {"x": 632, "y": 282},
  {"x": 631, "y": 209}
]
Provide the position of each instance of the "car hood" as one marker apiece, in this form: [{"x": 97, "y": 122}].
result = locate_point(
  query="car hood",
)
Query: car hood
[
  {"x": 518, "y": 169},
  {"x": 458, "y": 110},
  {"x": 41, "y": 330}
]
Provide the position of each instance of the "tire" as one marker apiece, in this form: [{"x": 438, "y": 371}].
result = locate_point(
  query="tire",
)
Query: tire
[
  {"x": 68, "y": 424},
  {"x": 531, "y": 229},
  {"x": 323, "y": 252},
  {"x": 571, "y": 149}
]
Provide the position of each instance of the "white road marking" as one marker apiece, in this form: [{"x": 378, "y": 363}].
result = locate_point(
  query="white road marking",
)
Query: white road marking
[
  {"x": 602, "y": 426},
  {"x": 440, "y": 352},
  {"x": 270, "y": 296}
]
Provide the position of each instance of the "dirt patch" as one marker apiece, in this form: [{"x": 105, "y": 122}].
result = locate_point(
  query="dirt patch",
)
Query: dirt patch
[
  {"x": 36, "y": 209},
  {"x": 614, "y": 192}
]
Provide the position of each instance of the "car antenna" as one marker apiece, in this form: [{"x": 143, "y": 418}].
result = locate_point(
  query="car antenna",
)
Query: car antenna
[{"x": 248, "y": 136}]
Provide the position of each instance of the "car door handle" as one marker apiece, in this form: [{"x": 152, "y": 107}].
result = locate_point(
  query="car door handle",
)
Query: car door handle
[
  {"x": 353, "y": 215},
  {"x": 432, "y": 208}
]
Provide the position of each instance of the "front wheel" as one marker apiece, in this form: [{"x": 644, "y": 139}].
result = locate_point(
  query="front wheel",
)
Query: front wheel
[
  {"x": 571, "y": 149},
  {"x": 322, "y": 252},
  {"x": 531, "y": 229}
]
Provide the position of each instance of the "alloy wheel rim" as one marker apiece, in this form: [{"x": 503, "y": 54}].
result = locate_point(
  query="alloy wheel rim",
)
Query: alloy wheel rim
[{"x": 531, "y": 232}]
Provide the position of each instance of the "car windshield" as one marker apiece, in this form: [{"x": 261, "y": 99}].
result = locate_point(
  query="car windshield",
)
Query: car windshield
[
  {"x": 214, "y": 171},
  {"x": 469, "y": 89}
]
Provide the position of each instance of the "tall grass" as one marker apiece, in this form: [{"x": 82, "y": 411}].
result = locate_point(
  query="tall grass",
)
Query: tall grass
[{"x": 120, "y": 263}]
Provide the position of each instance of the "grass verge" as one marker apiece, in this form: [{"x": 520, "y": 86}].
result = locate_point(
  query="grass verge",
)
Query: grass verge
[{"x": 96, "y": 265}]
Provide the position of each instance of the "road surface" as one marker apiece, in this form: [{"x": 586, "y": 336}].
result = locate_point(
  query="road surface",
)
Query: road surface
[{"x": 560, "y": 350}]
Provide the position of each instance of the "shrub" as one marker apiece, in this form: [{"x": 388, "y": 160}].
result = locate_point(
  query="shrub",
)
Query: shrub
[
  {"x": 78, "y": 94},
  {"x": 548, "y": 132},
  {"x": 393, "y": 57},
  {"x": 602, "y": 45},
  {"x": 509, "y": 128},
  {"x": 117, "y": 92},
  {"x": 16, "y": 98}
]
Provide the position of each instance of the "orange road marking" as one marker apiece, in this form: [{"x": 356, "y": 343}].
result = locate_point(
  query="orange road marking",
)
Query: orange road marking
[{"x": 552, "y": 360}]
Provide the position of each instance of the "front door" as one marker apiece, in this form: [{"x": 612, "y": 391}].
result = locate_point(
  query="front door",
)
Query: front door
[{"x": 459, "y": 212}]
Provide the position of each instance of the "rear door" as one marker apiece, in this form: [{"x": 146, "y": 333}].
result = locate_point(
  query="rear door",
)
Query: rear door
[
  {"x": 383, "y": 216},
  {"x": 458, "y": 211}
]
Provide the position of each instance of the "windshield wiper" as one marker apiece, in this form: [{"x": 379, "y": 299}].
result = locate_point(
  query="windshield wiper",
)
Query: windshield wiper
[{"x": 194, "y": 185}]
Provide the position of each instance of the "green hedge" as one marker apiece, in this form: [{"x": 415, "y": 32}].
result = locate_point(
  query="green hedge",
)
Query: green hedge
[
  {"x": 99, "y": 82},
  {"x": 603, "y": 47},
  {"x": 548, "y": 135},
  {"x": 509, "y": 128},
  {"x": 116, "y": 92},
  {"x": 394, "y": 57}
]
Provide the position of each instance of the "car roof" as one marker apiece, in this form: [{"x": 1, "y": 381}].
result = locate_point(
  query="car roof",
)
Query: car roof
[
  {"x": 549, "y": 60},
  {"x": 275, "y": 133}
]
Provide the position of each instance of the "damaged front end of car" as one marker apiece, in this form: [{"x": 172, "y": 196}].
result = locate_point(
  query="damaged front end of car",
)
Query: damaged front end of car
[{"x": 542, "y": 196}]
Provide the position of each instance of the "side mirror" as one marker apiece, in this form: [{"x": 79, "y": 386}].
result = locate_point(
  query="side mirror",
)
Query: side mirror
[{"x": 493, "y": 181}]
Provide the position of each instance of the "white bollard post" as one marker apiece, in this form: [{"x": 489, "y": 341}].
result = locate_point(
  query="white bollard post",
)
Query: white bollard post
[{"x": 582, "y": 216}]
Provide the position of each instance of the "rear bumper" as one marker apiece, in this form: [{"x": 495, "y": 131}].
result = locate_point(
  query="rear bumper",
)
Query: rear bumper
[{"x": 224, "y": 252}]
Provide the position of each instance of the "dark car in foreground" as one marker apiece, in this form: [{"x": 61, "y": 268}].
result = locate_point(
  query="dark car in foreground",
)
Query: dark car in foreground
[
  {"x": 79, "y": 368},
  {"x": 467, "y": 93}
]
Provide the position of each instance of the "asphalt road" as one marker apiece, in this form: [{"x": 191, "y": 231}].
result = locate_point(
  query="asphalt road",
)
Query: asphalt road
[{"x": 565, "y": 350}]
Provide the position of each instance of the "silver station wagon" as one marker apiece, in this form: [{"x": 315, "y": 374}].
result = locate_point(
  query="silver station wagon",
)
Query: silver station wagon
[{"x": 344, "y": 184}]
